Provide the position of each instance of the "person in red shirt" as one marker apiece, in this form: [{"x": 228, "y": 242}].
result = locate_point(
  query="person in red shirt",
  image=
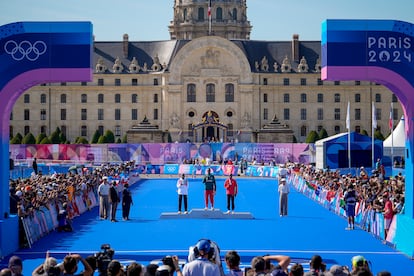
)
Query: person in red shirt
[
  {"x": 388, "y": 213},
  {"x": 231, "y": 191}
]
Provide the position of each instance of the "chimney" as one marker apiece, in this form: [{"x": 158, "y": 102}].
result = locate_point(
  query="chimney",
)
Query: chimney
[
  {"x": 125, "y": 45},
  {"x": 295, "y": 48}
]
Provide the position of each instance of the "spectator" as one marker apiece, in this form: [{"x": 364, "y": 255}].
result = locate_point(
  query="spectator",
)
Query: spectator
[
  {"x": 296, "y": 270},
  {"x": 16, "y": 266},
  {"x": 317, "y": 266},
  {"x": 259, "y": 266},
  {"x": 115, "y": 268},
  {"x": 135, "y": 269},
  {"x": 126, "y": 202},
  {"x": 47, "y": 268},
  {"x": 232, "y": 259},
  {"x": 151, "y": 269},
  {"x": 350, "y": 198},
  {"x": 360, "y": 266},
  {"x": 34, "y": 166},
  {"x": 5, "y": 272},
  {"x": 337, "y": 270}
]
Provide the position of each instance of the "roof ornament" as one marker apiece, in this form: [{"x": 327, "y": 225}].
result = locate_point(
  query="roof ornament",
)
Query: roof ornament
[
  {"x": 100, "y": 66},
  {"x": 117, "y": 67},
  {"x": 286, "y": 66},
  {"x": 134, "y": 66},
  {"x": 303, "y": 65}
]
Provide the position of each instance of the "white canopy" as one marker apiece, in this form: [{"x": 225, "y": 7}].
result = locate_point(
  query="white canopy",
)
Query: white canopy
[{"x": 397, "y": 138}]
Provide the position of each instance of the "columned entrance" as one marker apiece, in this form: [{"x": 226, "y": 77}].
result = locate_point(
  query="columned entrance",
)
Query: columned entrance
[{"x": 210, "y": 129}]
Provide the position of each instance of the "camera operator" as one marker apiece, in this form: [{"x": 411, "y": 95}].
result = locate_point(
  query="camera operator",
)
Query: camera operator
[
  {"x": 104, "y": 258},
  {"x": 170, "y": 264},
  {"x": 70, "y": 265}
]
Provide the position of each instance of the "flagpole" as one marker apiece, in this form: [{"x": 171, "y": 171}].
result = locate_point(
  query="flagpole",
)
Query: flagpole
[
  {"x": 348, "y": 126},
  {"x": 374, "y": 126},
  {"x": 209, "y": 17},
  {"x": 392, "y": 133}
]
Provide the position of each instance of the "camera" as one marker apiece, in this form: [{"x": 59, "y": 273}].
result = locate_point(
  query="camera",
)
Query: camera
[
  {"x": 104, "y": 257},
  {"x": 168, "y": 260}
]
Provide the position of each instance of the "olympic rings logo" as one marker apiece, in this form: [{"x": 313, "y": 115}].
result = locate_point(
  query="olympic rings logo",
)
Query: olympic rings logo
[{"x": 25, "y": 49}]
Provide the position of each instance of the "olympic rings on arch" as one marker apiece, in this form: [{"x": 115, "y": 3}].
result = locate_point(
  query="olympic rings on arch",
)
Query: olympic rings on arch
[{"x": 25, "y": 49}]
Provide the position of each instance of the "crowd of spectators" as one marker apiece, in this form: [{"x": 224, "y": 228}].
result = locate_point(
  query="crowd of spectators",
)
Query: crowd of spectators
[{"x": 372, "y": 189}]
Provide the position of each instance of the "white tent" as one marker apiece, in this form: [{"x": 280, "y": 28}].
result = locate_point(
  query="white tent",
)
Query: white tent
[{"x": 394, "y": 145}]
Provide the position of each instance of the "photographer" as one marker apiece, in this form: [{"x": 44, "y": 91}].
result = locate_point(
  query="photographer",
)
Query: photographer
[
  {"x": 70, "y": 265},
  {"x": 170, "y": 264},
  {"x": 104, "y": 258},
  {"x": 317, "y": 266}
]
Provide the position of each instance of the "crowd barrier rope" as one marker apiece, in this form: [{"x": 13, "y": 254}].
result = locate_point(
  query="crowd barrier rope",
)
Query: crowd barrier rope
[{"x": 365, "y": 217}]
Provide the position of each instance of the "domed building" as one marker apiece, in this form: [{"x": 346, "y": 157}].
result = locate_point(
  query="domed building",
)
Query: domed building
[{"x": 209, "y": 82}]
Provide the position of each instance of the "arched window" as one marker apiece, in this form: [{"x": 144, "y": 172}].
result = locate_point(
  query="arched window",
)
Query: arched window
[
  {"x": 191, "y": 93},
  {"x": 185, "y": 15},
  {"x": 63, "y": 98},
  {"x": 200, "y": 14},
  {"x": 210, "y": 93},
  {"x": 117, "y": 98},
  {"x": 134, "y": 98},
  {"x": 219, "y": 14},
  {"x": 303, "y": 131},
  {"x": 84, "y": 98},
  {"x": 42, "y": 98},
  {"x": 84, "y": 131},
  {"x": 234, "y": 14},
  {"x": 229, "y": 93}
]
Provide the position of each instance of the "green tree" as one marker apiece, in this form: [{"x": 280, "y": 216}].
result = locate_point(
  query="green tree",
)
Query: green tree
[
  {"x": 124, "y": 139},
  {"x": 16, "y": 140},
  {"x": 378, "y": 135},
  {"x": 95, "y": 137},
  {"x": 102, "y": 139},
  {"x": 109, "y": 137},
  {"x": 29, "y": 139},
  {"x": 323, "y": 134},
  {"x": 364, "y": 132},
  {"x": 55, "y": 136},
  {"x": 312, "y": 137},
  {"x": 62, "y": 138},
  {"x": 45, "y": 141},
  {"x": 118, "y": 141},
  {"x": 81, "y": 140},
  {"x": 40, "y": 137}
]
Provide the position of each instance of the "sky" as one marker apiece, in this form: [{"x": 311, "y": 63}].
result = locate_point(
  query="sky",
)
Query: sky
[{"x": 148, "y": 20}]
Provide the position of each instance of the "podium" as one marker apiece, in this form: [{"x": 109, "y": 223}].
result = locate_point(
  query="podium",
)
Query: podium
[{"x": 206, "y": 214}]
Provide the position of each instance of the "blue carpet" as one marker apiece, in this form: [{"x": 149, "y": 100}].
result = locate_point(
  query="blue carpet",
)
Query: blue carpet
[{"x": 308, "y": 229}]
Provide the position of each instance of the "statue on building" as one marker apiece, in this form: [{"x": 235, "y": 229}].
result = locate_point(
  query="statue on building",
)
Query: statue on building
[
  {"x": 174, "y": 120},
  {"x": 264, "y": 65}
]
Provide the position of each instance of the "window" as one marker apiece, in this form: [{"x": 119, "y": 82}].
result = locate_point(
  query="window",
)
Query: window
[
  {"x": 286, "y": 81},
  {"x": 265, "y": 114},
  {"x": 27, "y": 114},
  {"x": 230, "y": 130},
  {"x": 320, "y": 98},
  {"x": 117, "y": 98},
  {"x": 378, "y": 113},
  {"x": 229, "y": 93},
  {"x": 134, "y": 98},
  {"x": 286, "y": 98},
  {"x": 63, "y": 84},
  {"x": 190, "y": 130},
  {"x": 155, "y": 82},
  {"x": 63, "y": 98},
  {"x": 84, "y": 83},
  {"x": 43, "y": 114},
  {"x": 303, "y": 114},
  {"x": 319, "y": 128},
  {"x": 63, "y": 129},
  {"x": 84, "y": 114},
  {"x": 117, "y": 130},
  {"x": 337, "y": 114},
  {"x": 303, "y": 98},
  {"x": 134, "y": 114},
  {"x": 63, "y": 114},
  {"x": 286, "y": 114},
  {"x": 84, "y": 131},
  {"x": 134, "y": 82},
  {"x": 210, "y": 93},
  {"x": 337, "y": 98},
  {"x": 234, "y": 15},
  {"x": 117, "y": 114},
  {"x": 357, "y": 83},
  {"x": 191, "y": 93},
  {"x": 42, "y": 98},
  {"x": 100, "y": 82},
  {"x": 264, "y": 81},
  {"x": 84, "y": 98},
  {"x": 394, "y": 98},
  {"x": 100, "y": 98},
  {"x": 26, "y": 130},
  {"x": 43, "y": 129},
  {"x": 191, "y": 114},
  {"x": 320, "y": 114},
  {"x": 265, "y": 97},
  {"x": 303, "y": 131},
  {"x": 302, "y": 81},
  {"x": 219, "y": 14},
  {"x": 11, "y": 116},
  {"x": 185, "y": 14},
  {"x": 155, "y": 114},
  {"x": 101, "y": 130},
  {"x": 358, "y": 129},
  {"x": 319, "y": 81},
  {"x": 229, "y": 114},
  {"x": 117, "y": 82},
  {"x": 100, "y": 114},
  {"x": 200, "y": 14},
  {"x": 337, "y": 129},
  {"x": 357, "y": 114},
  {"x": 26, "y": 98},
  {"x": 155, "y": 98},
  {"x": 377, "y": 98},
  {"x": 357, "y": 98},
  {"x": 337, "y": 82}
]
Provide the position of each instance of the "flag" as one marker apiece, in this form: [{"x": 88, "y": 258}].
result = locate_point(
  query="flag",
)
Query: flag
[
  {"x": 348, "y": 119},
  {"x": 374, "y": 116},
  {"x": 391, "y": 122},
  {"x": 209, "y": 9}
]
